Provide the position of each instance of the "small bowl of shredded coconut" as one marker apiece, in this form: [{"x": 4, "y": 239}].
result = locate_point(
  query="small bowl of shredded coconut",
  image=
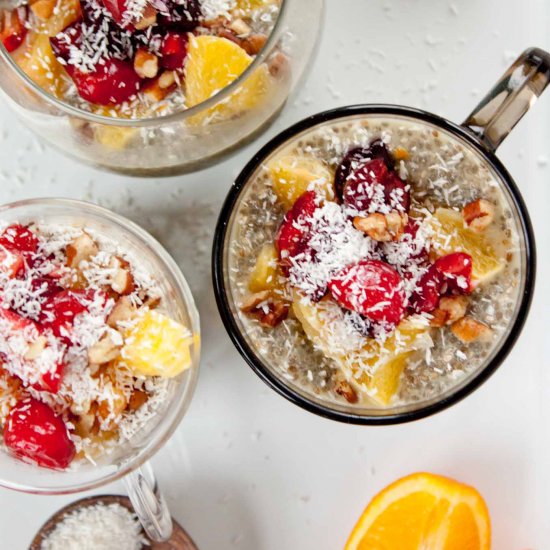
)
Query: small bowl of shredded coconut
[{"x": 102, "y": 523}]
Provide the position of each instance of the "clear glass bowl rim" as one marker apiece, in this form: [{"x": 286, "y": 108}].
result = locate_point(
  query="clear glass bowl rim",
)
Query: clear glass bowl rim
[
  {"x": 183, "y": 400},
  {"x": 155, "y": 121},
  {"x": 427, "y": 408}
]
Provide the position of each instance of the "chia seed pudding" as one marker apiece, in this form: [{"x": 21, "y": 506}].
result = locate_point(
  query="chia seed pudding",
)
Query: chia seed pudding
[
  {"x": 374, "y": 262},
  {"x": 89, "y": 343}
]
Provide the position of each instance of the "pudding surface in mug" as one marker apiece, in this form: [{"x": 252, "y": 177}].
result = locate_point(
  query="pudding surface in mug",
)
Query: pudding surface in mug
[{"x": 374, "y": 262}]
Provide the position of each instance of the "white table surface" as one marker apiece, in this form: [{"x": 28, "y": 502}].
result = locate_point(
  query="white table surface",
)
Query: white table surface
[{"x": 249, "y": 470}]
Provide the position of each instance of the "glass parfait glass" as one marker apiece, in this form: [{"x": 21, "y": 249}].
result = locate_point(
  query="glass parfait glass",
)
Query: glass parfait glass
[
  {"x": 481, "y": 134},
  {"x": 129, "y": 461},
  {"x": 183, "y": 141}
]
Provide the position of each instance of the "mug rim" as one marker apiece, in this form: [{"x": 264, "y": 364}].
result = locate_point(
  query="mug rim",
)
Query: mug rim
[
  {"x": 182, "y": 402},
  {"x": 274, "y": 381}
]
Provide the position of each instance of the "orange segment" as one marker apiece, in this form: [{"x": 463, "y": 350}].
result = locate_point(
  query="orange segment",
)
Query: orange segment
[{"x": 424, "y": 512}]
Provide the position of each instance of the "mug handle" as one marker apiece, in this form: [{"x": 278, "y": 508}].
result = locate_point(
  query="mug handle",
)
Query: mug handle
[
  {"x": 149, "y": 504},
  {"x": 504, "y": 106}
]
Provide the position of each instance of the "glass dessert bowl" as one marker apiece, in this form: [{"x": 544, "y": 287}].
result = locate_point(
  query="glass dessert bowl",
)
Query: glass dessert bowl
[
  {"x": 100, "y": 346},
  {"x": 153, "y": 87}
]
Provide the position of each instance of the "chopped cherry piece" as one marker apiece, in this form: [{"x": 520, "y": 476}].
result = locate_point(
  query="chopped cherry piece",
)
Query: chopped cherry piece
[
  {"x": 12, "y": 28},
  {"x": 173, "y": 51},
  {"x": 11, "y": 262},
  {"x": 20, "y": 239},
  {"x": 456, "y": 269},
  {"x": 18, "y": 323},
  {"x": 61, "y": 43},
  {"x": 183, "y": 15},
  {"x": 46, "y": 286},
  {"x": 396, "y": 193},
  {"x": 358, "y": 156},
  {"x": 117, "y": 8},
  {"x": 33, "y": 432},
  {"x": 112, "y": 83},
  {"x": 371, "y": 288},
  {"x": 425, "y": 297},
  {"x": 293, "y": 234},
  {"x": 60, "y": 311},
  {"x": 359, "y": 188},
  {"x": 51, "y": 381}
]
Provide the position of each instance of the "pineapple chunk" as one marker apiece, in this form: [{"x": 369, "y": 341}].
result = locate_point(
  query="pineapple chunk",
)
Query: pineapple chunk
[
  {"x": 375, "y": 369},
  {"x": 451, "y": 235},
  {"x": 157, "y": 346},
  {"x": 265, "y": 275},
  {"x": 292, "y": 176}
]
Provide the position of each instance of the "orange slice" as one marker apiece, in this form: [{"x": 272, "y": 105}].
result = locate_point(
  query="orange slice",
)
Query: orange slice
[
  {"x": 424, "y": 512},
  {"x": 373, "y": 368},
  {"x": 213, "y": 63}
]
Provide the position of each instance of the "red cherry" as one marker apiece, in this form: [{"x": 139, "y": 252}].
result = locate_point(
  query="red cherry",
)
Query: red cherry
[
  {"x": 60, "y": 311},
  {"x": 12, "y": 28},
  {"x": 19, "y": 238},
  {"x": 396, "y": 193},
  {"x": 174, "y": 50},
  {"x": 293, "y": 234},
  {"x": 371, "y": 288},
  {"x": 117, "y": 9},
  {"x": 358, "y": 190},
  {"x": 17, "y": 323},
  {"x": 427, "y": 293},
  {"x": 33, "y": 432},
  {"x": 110, "y": 84},
  {"x": 61, "y": 43},
  {"x": 457, "y": 271},
  {"x": 51, "y": 381}
]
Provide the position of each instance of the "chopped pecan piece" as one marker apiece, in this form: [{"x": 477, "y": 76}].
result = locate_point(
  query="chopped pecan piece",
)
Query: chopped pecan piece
[
  {"x": 82, "y": 248},
  {"x": 479, "y": 215},
  {"x": 345, "y": 389},
  {"x": 469, "y": 330},
  {"x": 268, "y": 310}
]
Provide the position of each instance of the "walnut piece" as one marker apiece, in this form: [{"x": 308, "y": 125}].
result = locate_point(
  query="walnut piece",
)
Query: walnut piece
[
  {"x": 450, "y": 310},
  {"x": 382, "y": 227},
  {"x": 103, "y": 351},
  {"x": 146, "y": 64}
]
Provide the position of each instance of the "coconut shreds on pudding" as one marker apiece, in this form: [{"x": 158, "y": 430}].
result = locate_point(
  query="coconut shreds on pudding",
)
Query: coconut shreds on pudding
[
  {"x": 374, "y": 262},
  {"x": 143, "y": 58},
  {"x": 87, "y": 346}
]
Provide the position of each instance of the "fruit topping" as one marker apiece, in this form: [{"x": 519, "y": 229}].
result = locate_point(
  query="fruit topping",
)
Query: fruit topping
[
  {"x": 266, "y": 274},
  {"x": 205, "y": 76},
  {"x": 157, "y": 346},
  {"x": 456, "y": 269},
  {"x": 110, "y": 84},
  {"x": 450, "y": 235},
  {"x": 174, "y": 50},
  {"x": 19, "y": 238},
  {"x": 372, "y": 288},
  {"x": 292, "y": 176},
  {"x": 183, "y": 15},
  {"x": 12, "y": 27},
  {"x": 293, "y": 235},
  {"x": 33, "y": 432},
  {"x": 372, "y": 187}
]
